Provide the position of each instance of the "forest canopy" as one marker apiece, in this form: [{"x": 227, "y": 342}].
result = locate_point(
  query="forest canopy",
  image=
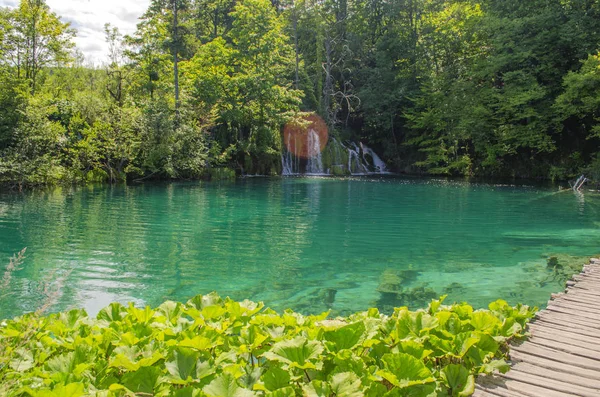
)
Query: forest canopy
[{"x": 204, "y": 87}]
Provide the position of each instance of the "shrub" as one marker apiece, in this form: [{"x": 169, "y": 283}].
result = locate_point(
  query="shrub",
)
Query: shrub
[{"x": 214, "y": 347}]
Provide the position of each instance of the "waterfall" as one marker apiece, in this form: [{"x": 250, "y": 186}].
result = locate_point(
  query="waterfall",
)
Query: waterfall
[
  {"x": 315, "y": 161},
  {"x": 378, "y": 164},
  {"x": 361, "y": 160},
  {"x": 289, "y": 163},
  {"x": 355, "y": 158}
]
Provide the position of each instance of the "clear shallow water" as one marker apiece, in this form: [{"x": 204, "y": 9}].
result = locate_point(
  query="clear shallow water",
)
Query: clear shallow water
[{"x": 308, "y": 244}]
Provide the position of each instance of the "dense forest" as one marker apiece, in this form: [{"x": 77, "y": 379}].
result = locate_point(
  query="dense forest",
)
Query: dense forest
[{"x": 493, "y": 88}]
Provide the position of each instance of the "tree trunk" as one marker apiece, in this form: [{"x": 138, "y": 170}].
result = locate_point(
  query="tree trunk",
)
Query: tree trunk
[
  {"x": 175, "y": 61},
  {"x": 295, "y": 25},
  {"x": 33, "y": 65}
]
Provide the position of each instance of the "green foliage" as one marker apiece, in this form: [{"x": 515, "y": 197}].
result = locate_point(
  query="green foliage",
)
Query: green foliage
[
  {"x": 215, "y": 347},
  {"x": 240, "y": 87},
  {"x": 460, "y": 87}
]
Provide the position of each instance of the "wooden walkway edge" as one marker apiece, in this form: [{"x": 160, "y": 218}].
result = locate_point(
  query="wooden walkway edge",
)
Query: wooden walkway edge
[{"x": 562, "y": 355}]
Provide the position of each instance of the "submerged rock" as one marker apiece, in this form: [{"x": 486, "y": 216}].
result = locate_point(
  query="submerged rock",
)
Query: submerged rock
[
  {"x": 394, "y": 290},
  {"x": 328, "y": 296}
]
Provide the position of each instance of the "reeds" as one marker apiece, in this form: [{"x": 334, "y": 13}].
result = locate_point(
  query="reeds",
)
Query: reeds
[{"x": 13, "y": 265}]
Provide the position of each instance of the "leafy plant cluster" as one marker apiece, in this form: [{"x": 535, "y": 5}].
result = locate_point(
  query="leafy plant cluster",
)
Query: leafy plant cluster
[{"x": 219, "y": 347}]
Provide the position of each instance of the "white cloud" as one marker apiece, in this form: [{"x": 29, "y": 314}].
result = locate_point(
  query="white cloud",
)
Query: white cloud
[{"x": 88, "y": 18}]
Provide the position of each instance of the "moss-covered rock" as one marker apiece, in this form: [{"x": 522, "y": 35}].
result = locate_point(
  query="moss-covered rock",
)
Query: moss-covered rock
[{"x": 339, "y": 170}]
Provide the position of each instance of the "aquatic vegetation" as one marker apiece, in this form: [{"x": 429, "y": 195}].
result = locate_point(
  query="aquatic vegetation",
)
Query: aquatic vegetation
[
  {"x": 562, "y": 267},
  {"x": 454, "y": 288},
  {"x": 394, "y": 291},
  {"x": 219, "y": 347}
]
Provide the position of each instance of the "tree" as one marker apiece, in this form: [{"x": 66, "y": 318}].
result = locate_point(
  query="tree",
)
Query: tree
[
  {"x": 114, "y": 68},
  {"x": 36, "y": 38},
  {"x": 241, "y": 84}
]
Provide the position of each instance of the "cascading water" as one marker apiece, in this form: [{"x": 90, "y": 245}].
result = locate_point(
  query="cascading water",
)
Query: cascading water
[
  {"x": 355, "y": 163},
  {"x": 290, "y": 164},
  {"x": 378, "y": 164},
  {"x": 315, "y": 159},
  {"x": 347, "y": 158}
]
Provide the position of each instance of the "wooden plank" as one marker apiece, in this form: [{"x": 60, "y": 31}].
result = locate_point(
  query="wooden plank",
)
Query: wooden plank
[
  {"x": 591, "y": 318},
  {"x": 543, "y": 362},
  {"x": 551, "y": 384},
  {"x": 578, "y": 351},
  {"x": 551, "y": 354},
  {"x": 592, "y": 344},
  {"x": 585, "y": 291},
  {"x": 571, "y": 294},
  {"x": 481, "y": 392},
  {"x": 579, "y": 299},
  {"x": 588, "y": 308},
  {"x": 561, "y": 321},
  {"x": 587, "y": 284},
  {"x": 517, "y": 388},
  {"x": 588, "y": 288},
  {"x": 583, "y": 286},
  {"x": 573, "y": 309},
  {"x": 585, "y": 277},
  {"x": 565, "y": 318},
  {"x": 582, "y": 294},
  {"x": 569, "y": 338},
  {"x": 560, "y": 375},
  {"x": 565, "y": 327},
  {"x": 497, "y": 391}
]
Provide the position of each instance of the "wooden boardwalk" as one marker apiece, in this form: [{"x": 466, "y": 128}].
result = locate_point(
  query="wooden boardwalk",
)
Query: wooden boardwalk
[{"x": 562, "y": 356}]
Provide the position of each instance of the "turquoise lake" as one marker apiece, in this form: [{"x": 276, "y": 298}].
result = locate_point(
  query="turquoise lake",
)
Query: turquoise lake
[{"x": 310, "y": 244}]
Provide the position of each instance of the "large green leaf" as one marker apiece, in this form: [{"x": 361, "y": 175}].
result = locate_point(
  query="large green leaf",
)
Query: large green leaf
[
  {"x": 23, "y": 360},
  {"x": 435, "y": 305},
  {"x": 226, "y": 386},
  {"x": 484, "y": 321},
  {"x": 298, "y": 352},
  {"x": 276, "y": 378},
  {"x": 132, "y": 358},
  {"x": 317, "y": 388},
  {"x": 345, "y": 337},
  {"x": 411, "y": 324},
  {"x": 198, "y": 343},
  {"x": 171, "y": 310},
  {"x": 202, "y": 301},
  {"x": 403, "y": 370},
  {"x": 183, "y": 363},
  {"x": 458, "y": 379},
  {"x": 346, "y": 384},
  {"x": 285, "y": 392},
  {"x": 144, "y": 380},
  {"x": 464, "y": 341},
  {"x": 113, "y": 312},
  {"x": 495, "y": 365},
  {"x": 414, "y": 348},
  {"x": 204, "y": 369},
  {"x": 69, "y": 390},
  {"x": 510, "y": 327}
]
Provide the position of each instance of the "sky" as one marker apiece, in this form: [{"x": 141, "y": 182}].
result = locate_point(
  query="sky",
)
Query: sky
[{"x": 88, "y": 18}]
